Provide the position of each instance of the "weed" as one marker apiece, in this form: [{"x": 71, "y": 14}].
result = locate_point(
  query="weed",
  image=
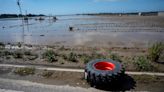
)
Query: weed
[
  {"x": 62, "y": 48},
  {"x": 30, "y": 55},
  {"x": 64, "y": 56},
  {"x": 115, "y": 57},
  {"x": 50, "y": 55},
  {"x": 143, "y": 64},
  {"x": 18, "y": 54},
  {"x": 1, "y": 53},
  {"x": 72, "y": 57},
  {"x": 8, "y": 57},
  {"x": 19, "y": 44},
  {"x": 62, "y": 63},
  {"x": 2, "y": 48},
  {"x": 95, "y": 55},
  {"x": 155, "y": 51},
  {"x": 2, "y": 44},
  {"x": 146, "y": 78},
  {"x": 47, "y": 74},
  {"x": 33, "y": 57},
  {"x": 24, "y": 71},
  {"x": 6, "y": 53},
  {"x": 85, "y": 58},
  {"x": 125, "y": 48}
]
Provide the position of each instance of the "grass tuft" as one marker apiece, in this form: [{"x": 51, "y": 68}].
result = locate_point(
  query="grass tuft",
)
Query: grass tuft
[
  {"x": 18, "y": 55},
  {"x": 50, "y": 56},
  {"x": 24, "y": 71},
  {"x": 155, "y": 51},
  {"x": 72, "y": 57},
  {"x": 47, "y": 74},
  {"x": 115, "y": 57}
]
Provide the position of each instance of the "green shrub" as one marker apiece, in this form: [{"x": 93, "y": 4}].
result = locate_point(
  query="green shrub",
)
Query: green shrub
[
  {"x": 143, "y": 64},
  {"x": 50, "y": 55},
  {"x": 155, "y": 51},
  {"x": 24, "y": 71}
]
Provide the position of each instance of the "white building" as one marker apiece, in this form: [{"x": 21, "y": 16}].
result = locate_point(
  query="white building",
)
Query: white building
[{"x": 160, "y": 13}]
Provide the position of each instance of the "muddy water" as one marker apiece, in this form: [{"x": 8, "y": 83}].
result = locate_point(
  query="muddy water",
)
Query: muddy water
[{"x": 133, "y": 31}]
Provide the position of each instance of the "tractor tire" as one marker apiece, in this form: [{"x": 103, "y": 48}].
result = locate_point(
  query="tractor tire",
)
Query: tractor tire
[{"x": 102, "y": 71}]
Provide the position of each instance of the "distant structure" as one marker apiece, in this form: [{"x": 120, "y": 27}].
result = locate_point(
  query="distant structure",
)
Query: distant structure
[
  {"x": 148, "y": 14},
  {"x": 139, "y": 14},
  {"x": 160, "y": 13},
  {"x": 155, "y": 13}
]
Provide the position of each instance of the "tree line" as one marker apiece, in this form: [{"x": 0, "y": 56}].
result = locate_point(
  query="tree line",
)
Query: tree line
[{"x": 19, "y": 15}]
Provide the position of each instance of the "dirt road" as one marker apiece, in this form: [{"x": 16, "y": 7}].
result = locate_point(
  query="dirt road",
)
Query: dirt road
[
  {"x": 10, "y": 85},
  {"x": 75, "y": 70}
]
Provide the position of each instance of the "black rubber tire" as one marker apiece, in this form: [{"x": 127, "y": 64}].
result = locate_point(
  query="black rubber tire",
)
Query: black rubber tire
[{"x": 98, "y": 77}]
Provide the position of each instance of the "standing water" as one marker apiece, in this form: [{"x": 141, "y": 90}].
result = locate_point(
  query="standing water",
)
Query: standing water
[{"x": 87, "y": 30}]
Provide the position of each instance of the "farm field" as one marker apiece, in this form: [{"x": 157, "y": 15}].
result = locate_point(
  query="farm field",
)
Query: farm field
[
  {"x": 126, "y": 39},
  {"x": 73, "y": 41}
]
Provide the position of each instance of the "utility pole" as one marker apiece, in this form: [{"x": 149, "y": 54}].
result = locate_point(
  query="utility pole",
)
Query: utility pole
[{"x": 20, "y": 10}]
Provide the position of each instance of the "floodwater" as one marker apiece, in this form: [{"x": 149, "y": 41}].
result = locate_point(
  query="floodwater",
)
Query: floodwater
[{"x": 118, "y": 31}]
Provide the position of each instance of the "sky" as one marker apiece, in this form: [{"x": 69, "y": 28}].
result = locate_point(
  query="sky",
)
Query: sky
[{"x": 60, "y": 7}]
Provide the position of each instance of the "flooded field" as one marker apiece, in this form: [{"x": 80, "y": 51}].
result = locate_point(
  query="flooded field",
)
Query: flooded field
[{"x": 103, "y": 31}]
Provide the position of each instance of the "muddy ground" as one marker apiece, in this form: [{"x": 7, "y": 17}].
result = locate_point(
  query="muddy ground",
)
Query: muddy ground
[
  {"x": 75, "y": 57},
  {"x": 129, "y": 82}
]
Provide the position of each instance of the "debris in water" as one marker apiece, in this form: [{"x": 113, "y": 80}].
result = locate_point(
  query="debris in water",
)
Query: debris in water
[
  {"x": 70, "y": 28},
  {"x": 41, "y": 35}
]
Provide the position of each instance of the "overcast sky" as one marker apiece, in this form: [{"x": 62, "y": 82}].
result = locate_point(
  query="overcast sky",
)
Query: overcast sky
[{"x": 56, "y": 7}]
